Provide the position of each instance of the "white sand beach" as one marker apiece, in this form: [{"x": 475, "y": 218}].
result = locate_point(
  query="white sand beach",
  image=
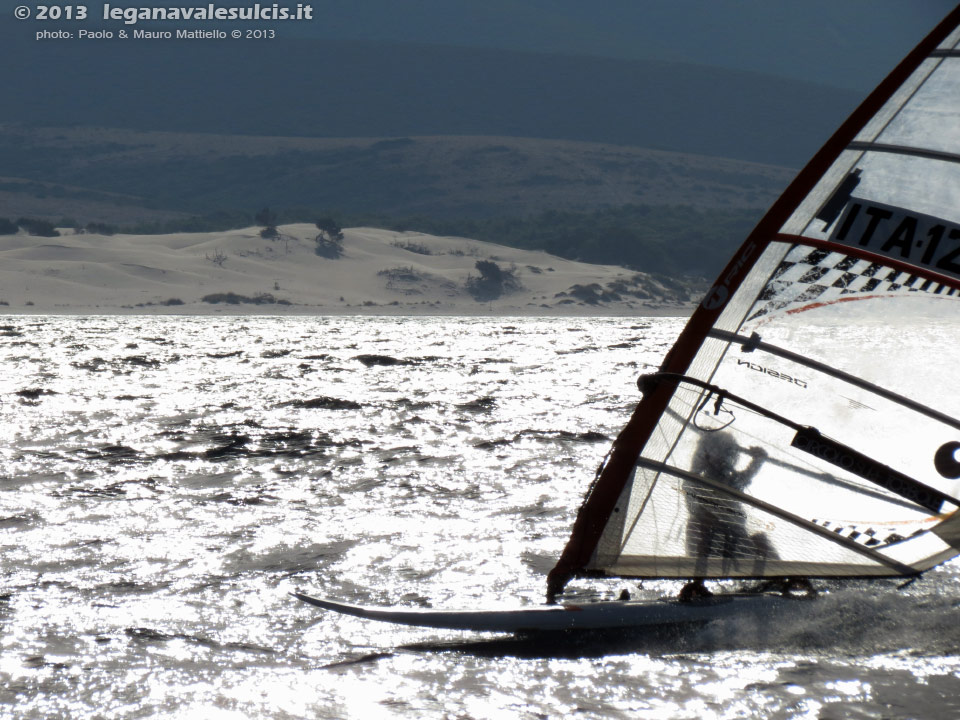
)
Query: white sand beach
[{"x": 379, "y": 272}]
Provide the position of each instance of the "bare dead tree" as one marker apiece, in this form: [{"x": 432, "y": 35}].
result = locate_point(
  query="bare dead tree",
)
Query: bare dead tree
[{"x": 218, "y": 258}]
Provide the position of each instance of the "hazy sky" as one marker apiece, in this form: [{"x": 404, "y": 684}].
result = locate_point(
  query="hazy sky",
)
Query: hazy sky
[
  {"x": 848, "y": 43},
  {"x": 477, "y": 67},
  {"x": 851, "y": 43}
]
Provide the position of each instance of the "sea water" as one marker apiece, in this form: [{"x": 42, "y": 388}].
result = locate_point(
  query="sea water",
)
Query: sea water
[{"x": 166, "y": 482}]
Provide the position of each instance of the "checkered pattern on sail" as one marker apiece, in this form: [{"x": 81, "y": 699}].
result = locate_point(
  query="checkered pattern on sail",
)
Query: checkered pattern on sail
[
  {"x": 873, "y": 536},
  {"x": 809, "y": 276}
]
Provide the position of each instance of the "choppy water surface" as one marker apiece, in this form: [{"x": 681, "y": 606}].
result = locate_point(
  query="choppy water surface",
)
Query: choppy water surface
[{"x": 166, "y": 482}]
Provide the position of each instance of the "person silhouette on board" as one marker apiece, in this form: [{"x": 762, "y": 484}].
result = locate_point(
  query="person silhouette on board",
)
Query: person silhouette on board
[{"x": 717, "y": 523}]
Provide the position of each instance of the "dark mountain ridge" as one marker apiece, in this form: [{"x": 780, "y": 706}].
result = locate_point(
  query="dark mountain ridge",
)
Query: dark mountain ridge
[
  {"x": 334, "y": 88},
  {"x": 123, "y": 176}
]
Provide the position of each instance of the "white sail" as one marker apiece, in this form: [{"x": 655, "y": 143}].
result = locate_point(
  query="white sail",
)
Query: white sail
[{"x": 807, "y": 421}]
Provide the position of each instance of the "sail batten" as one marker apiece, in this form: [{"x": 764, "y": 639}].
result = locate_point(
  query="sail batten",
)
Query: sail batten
[
  {"x": 927, "y": 153},
  {"x": 839, "y": 311}
]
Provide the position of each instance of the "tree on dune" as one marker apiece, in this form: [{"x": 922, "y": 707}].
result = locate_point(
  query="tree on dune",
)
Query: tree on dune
[
  {"x": 268, "y": 219},
  {"x": 330, "y": 238}
]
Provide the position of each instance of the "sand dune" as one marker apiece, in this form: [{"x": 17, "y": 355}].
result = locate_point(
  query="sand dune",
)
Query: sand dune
[{"x": 379, "y": 272}]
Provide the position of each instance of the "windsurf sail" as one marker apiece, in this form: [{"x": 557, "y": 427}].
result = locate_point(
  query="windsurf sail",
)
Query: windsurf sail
[{"x": 807, "y": 420}]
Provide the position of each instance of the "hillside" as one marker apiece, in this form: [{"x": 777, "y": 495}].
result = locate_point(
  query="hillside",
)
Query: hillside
[
  {"x": 123, "y": 176},
  {"x": 379, "y": 272}
]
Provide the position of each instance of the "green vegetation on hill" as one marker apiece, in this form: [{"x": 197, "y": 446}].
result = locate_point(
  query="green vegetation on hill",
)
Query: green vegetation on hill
[{"x": 116, "y": 176}]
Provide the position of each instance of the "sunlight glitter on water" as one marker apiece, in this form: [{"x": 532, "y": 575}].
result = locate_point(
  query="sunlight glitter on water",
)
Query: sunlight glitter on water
[{"x": 156, "y": 512}]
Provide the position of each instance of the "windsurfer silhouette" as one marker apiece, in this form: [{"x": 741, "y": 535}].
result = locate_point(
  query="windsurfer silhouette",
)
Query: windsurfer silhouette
[{"x": 717, "y": 523}]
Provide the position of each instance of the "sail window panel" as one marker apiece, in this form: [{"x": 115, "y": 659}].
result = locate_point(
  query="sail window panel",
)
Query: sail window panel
[
  {"x": 895, "y": 338},
  {"x": 929, "y": 119},
  {"x": 683, "y": 405},
  {"x": 687, "y": 404},
  {"x": 760, "y": 451},
  {"x": 882, "y": 324},
  {"x": 919, "y": 185},
  {"x": 916, "y": 184},
  {"x": 738, "y": 540},
  {"x": 879, "y": 122},
  {"x": 881, "y": 428},
  {"x": 900, "y": 339},
  {"x": 646, "y": 501},
  {"x": 887, "y": 434}
]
